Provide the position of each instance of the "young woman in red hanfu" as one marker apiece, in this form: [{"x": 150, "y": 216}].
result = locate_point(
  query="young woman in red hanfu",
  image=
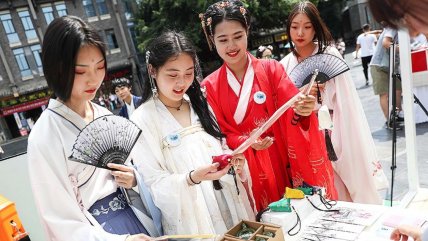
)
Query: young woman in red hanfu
[{"x": 244, "y": 93}]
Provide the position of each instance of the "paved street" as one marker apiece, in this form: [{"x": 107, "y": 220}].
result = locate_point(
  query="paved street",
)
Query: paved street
[{"x": 383, "y": 137}]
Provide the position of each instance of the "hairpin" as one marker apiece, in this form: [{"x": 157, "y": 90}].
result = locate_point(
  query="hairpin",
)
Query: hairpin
[
  {"x": 204, "y": 27},
  {"x": 152, "y": 82},
  {"x": 243, "y": 12}
]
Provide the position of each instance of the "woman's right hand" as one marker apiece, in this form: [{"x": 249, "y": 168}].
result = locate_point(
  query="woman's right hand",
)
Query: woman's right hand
[
  {"x": 314, "y": 89},
  {"x": 263, "y": 144},
  {"x": 403, "y": 232},
  {"x": 209, "y": 172},
  {"x": 138, "y": 237}
]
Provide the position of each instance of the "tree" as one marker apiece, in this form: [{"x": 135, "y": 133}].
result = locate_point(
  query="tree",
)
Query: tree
[{"x": 183, "y": 15}]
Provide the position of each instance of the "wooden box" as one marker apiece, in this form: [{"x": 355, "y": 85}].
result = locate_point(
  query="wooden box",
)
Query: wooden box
[{"x": 259, "y": 228}]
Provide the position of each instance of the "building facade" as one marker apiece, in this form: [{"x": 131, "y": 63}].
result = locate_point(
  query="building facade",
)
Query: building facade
[{"x": 23, "y": 89}]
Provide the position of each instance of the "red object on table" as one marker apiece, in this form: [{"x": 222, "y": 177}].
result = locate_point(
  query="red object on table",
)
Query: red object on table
[{"x": 419, "y": 60}]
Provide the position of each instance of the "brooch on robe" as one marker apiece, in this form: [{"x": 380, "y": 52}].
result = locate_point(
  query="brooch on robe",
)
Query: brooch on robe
[
  {"x": 172, "y": 140},
  {"x": 259, "y": 97}
]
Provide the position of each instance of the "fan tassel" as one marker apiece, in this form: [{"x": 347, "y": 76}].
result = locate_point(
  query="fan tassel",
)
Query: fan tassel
[
  {"x": 330, "y": 150},
  {"x": 217, "y": 185},
  {"x": 319, "y": 94}
]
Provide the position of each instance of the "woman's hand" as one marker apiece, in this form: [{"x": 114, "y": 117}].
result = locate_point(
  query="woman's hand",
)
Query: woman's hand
[
  {"x": 403, "y": 232},
  {"x": 238, "y": 161},
  {"x": 304, "y": 105},
  {"x": 314, "y": 89},
  {"x": 209, "y": 172},
  {"x": 262, "y": 144},
  {"x": 123, "y": 175},
  {"x": 138, "y": 237}
]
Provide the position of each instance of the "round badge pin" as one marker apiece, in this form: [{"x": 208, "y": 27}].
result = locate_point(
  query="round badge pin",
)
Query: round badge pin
[
  {"x": 259, "y": 97},
  {"x": 173, "y": 139}
]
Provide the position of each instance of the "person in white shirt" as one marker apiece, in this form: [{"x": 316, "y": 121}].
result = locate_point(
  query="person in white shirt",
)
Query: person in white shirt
[{"x": 366, "y": 42}]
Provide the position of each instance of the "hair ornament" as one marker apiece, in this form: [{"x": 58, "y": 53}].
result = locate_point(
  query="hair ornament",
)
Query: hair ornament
[
  {"x": 204, "y": 28},
  {"x": 152, "y": 82},
  {"x": 223, "y": 4},
  {"x": 198, "y": 70},
  {"x": 243, "y": 12}
]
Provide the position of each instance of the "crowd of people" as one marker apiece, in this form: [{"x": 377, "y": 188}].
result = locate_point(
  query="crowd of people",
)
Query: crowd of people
[{"x": 185, "y": 122}]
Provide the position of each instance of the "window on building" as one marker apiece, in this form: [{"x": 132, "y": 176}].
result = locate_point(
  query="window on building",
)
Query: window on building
[
  {"x": 128, "y": 10},
  {"x": 48, "y": 12},
  {"x": 102, "y": 7},
  {"x": 37, "y": 51},
  {"x": 61, "y": 9},
  {"x": 22, "y": 62},
  {"x": 12, "y": 36},
  {"x": 89, "y": 8},
  {"x": 27, "y": 24},
  {"x": 111, "y": 39}
]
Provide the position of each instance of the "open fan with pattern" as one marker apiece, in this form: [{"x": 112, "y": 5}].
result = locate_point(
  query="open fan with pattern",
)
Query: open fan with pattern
[
  {"x": 107, "y": 139},
  {"x": 328, "y": 65}
]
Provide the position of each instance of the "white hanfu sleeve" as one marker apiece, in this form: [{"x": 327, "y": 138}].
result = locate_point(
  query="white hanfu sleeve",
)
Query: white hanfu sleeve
[{"x": 53, "y": 192}]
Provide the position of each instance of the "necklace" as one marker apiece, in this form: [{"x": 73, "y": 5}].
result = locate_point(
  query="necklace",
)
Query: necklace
[{"x": 173, "y": 107}]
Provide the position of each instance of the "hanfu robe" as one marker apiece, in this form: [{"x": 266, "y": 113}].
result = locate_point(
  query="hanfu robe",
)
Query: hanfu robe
[
  {"x": 357, "y": 165},
  {"x": 294, "y": 156},
  {"x": 170, "y": 152},
  {"x": 64, "y": 190}
]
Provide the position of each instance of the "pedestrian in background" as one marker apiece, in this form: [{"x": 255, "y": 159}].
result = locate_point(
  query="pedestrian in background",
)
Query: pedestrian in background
[
  {"x": 122, "y": 88},
  {"x": 264, "y": 52},
  {"x": 366, "y": 42},
  {"x": 341, "y": 46}
]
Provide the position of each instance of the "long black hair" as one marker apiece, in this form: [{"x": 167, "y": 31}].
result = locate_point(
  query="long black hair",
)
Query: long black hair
[
  {"x": 322, "y": 34},
  {"x": 62, "y": 41},
  {"x": 224, "y": 10},
  {"x": 169, "y": 45}
]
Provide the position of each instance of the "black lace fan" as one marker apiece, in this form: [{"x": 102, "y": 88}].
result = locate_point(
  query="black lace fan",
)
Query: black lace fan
[
  {"x": 329, "y": 66},
  {"x": 107, "y": 139}
]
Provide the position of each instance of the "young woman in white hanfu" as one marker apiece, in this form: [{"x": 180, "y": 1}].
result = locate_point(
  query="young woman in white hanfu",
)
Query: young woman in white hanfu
[
  {"x": 180, "y": 136},
  {"x": 358, "y": 173},
  {"x": 77, "y": 201}
]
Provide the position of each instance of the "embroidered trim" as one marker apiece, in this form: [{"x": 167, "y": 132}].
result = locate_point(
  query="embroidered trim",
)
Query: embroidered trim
[{"x": 118, "y": 203}]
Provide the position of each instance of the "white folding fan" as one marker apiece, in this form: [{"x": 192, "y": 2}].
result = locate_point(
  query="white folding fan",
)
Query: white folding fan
[
  {"x": 107, "y": 139},
  {"x": 328, "y": 65}
]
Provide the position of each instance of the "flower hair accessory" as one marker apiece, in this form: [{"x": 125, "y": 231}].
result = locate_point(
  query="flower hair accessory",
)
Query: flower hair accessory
[
  {"x": 243, "y": 12},
  {"x": 263, "y": 48},
  {"x": 223, "y": 4}
]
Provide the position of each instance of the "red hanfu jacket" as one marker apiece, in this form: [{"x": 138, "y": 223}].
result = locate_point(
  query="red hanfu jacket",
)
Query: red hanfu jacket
[{"x": 298, "y": 153}]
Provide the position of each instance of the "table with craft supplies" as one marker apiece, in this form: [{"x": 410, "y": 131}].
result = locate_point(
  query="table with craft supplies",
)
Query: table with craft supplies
[{"x": 353, "y": 221}]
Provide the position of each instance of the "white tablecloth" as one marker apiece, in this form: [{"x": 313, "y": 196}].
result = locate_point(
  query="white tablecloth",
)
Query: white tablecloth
[{"x": 375, "y": 232}]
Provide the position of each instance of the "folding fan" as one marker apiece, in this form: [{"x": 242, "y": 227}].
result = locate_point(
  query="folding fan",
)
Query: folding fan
[
  {"x": 107, "y": 139},
  {"x": 329, "y": 66}
]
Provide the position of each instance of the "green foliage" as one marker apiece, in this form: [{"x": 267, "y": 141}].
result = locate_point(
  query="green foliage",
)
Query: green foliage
[{"x": 183, "y": 15}]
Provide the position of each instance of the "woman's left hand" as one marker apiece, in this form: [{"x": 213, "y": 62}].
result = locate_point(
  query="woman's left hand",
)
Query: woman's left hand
[
  {"x": 304, "y": 105},
  {"x": 123, "y": 175}
]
